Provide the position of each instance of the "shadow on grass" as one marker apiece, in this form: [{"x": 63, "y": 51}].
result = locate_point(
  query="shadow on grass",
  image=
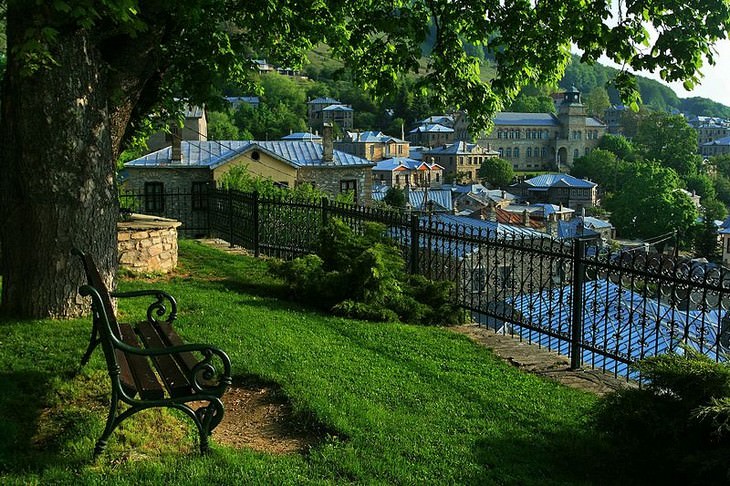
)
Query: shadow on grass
[
  {"x": 561, "y": 457},
  {"x": 30, "y": 440}
]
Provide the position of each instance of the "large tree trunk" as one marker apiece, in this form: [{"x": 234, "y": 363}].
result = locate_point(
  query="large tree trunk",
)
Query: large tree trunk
[{"x": 57, "y": 179}]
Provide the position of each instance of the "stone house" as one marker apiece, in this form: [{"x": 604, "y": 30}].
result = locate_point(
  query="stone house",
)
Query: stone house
[
  {"x": 538, "y": 141},
  {"x": 190, "y": 167},
  {"x": 562, "y": 189},
  {"x": 373, "y": 146},
  {"x": 460, "y": 159}
]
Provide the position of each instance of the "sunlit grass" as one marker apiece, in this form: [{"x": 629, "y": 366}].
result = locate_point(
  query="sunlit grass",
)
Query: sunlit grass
[{"x": 404, "y": 404}]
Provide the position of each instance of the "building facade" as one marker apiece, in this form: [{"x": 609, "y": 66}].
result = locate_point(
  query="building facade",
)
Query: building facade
[
  {"x": 561, "y": 189},
  {"x": 460, "y": 161},
  {"x": 373, "y": 146},
  {"x": 431, "y": 135},
  {"x": 543, "y": 141},
  {"x": 329, "y": 110}
]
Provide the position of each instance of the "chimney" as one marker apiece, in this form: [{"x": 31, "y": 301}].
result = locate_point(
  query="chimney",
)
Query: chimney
[
  {"x": 327, "y": 147},
  {"x": 526, "y": 218},
  {"x": 176, "y": 150}
]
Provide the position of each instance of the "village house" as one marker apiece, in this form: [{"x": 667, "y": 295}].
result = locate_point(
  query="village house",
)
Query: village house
[
  {"x": 720, "y": 146},
  {"x": 188, "y": 168},
  {"x": 562, "y": 189},
  {"x": 461, "y": 160},
  {"x": 329, "y": 110},
  {"x": 373, "y": 146},
  {"x": 431, "y": 135},
  {"x": 539, "y": 141},
  {"x": 400, "y": 172}
]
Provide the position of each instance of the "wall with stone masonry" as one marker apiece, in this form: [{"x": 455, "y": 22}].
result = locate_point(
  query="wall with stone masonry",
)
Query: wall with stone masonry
[{"x": 147, "y": 244}]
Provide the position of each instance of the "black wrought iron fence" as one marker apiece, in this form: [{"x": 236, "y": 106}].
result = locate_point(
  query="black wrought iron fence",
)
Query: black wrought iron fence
[{"x": 603, "y": 309}]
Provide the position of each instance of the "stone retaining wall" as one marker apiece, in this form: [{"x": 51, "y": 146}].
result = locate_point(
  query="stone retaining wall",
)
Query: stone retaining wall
[{"x": 147, "y": 243}]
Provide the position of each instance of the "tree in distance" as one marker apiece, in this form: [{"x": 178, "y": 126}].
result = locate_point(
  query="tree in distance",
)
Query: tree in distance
[
  {"x": 81, "y": 75},
  {"x": 496, "y": 172}
]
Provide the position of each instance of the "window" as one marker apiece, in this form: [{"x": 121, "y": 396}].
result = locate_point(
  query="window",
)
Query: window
[
  {"x": 199, "y": 192},
  {"x": 529, "y": 151},
  {"x": 575, "y": 154},
  {"x": 509, "y": 152},
  {"x": 537, "y": 151},
  {"x": 501, "y": 152},
  {"x": 517, "y": 151},
  {"x": 544, "y": 152},
  {"x": 349, "y": 186},
  {"x": 154, "y": 197}
]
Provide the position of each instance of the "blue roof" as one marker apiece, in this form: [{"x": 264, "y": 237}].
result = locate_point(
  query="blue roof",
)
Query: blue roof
[
  {"x": 460, "y": 147},
  {"x": 324, "y": 101},
  {"x": 440, "y": 119},
  {"x": 396, "y": 162},
  {"x": 302, "y": 136},
  {"x": 725, "y": 141},
  {"x": 371, "y": 136},
  {"x": 559, "y": 180},
  {"x": 439, "y": 197},
  {"x": 618, "y": 320},
  {"x": 432, "y": 128},
  {"x": 573, "y": 229},
  {"x": 212, "y": 154},
  {"x": 594, "y": 122},
  {"x": 528, "y": 119},
  {"x": 493, "y": 228},
  {"x": 337, "y": 108}
]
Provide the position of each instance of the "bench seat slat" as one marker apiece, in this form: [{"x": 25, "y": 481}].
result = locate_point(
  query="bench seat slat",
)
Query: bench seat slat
[
  {"x": 187, "y": 361},
  {"x": 144, "y": 376},
  {"x": 175, "y": 379}
]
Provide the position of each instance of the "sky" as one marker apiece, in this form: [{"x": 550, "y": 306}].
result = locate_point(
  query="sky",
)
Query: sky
[{"x": 716, "y": 82}]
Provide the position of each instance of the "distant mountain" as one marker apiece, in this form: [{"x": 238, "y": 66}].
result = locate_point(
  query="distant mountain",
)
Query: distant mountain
[{"x": 654, "y": 94}]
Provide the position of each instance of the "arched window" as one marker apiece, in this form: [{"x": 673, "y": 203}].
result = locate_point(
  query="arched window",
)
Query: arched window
[
  {"x": 575, "y": 154},
  {"x": 537, "y": 152},
  {"x": 544, "y": 152},
  {"x": 501, "y": 152},
  {"x": 517, "y": 151},
  {"x": 529, "y": 151},
  {"x": 509, "y": 152}
]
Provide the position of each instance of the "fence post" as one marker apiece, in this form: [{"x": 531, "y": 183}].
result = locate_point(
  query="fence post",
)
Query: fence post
[
  {"x": 255, "y": 217},
  {"x": 413, "y": 267},
  {"x": 230, "y": 218},
  {"x": 576, "y": 331},
  {"x": 325, "y": 211}
]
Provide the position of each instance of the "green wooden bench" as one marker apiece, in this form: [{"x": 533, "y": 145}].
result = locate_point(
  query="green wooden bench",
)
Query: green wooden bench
[{"x": 148, "y": 363}]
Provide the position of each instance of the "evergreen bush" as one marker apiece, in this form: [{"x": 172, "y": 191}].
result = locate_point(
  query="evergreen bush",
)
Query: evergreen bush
[{"x": 364, "y": 276}]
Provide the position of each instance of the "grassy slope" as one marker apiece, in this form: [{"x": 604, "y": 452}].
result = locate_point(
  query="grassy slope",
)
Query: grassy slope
[{"x": 405, "y": 404}]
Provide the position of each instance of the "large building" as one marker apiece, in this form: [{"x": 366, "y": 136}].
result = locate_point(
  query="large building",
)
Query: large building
[{"x": 540, "y": 141}]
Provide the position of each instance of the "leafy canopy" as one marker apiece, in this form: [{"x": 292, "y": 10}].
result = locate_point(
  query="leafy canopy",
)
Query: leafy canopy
[{"x": 198, "y": 44}]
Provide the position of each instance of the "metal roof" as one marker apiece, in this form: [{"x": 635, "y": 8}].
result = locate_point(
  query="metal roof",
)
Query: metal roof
[
  {"x": 302, "y": 136},
  {"x": 492, "y": 228},
  {"x": 559, "y": 180},
  {"x": 459, "y": 147},
  {"x": 719, "y": 142},
  {"x": 324, "y": 101},
  {"x": 336, "y": 107},
  {"x": 212, "y": 154},
  {"x": 432, "y": 128},
  {"x": 397, "y": 162},
  {"x": 419, "y": 199},
  {"x": 618, "y": 320},
  {"x": 527, "y": 119}
]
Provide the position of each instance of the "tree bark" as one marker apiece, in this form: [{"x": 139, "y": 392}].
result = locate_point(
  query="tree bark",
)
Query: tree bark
[{"x": 57, "y": 180}]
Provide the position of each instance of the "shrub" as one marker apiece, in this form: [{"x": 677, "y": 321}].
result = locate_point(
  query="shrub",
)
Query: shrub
[
  {"x": 364, "y": 276},
  {"x": 676, "y": 427}
]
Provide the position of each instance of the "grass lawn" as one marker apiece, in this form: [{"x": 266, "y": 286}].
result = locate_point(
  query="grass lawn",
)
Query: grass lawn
[{"x": 402, "y": 404}]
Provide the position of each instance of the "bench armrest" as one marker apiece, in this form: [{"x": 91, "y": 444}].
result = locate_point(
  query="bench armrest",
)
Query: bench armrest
[
  {"x": 203, "y": 372},
  {"x": 157, "y": 308}
]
